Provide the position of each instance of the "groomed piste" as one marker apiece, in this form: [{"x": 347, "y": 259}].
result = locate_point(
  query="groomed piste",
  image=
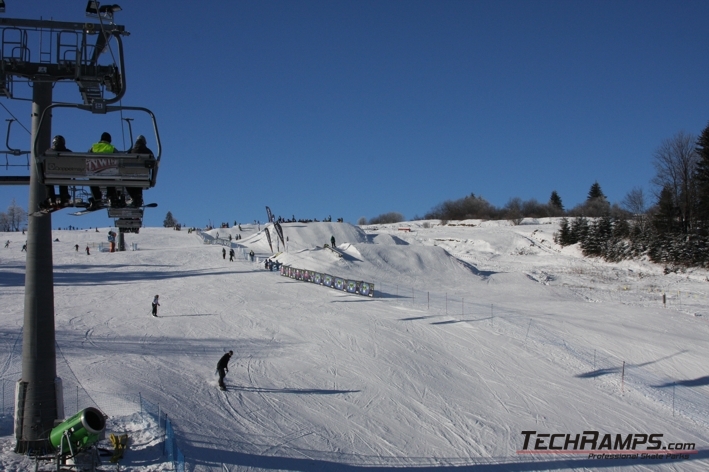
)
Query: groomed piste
[{"x": 478, "y": 331}]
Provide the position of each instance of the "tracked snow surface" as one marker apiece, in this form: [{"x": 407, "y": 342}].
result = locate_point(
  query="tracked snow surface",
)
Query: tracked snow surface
[{"x": 479, "y": 331}]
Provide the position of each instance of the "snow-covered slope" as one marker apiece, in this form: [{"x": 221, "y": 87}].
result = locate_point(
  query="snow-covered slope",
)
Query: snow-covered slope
[{"x": 323, "y": 380}]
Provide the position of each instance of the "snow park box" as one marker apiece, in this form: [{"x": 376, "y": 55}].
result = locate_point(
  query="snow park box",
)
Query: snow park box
[{"x": 356, "y": 287}]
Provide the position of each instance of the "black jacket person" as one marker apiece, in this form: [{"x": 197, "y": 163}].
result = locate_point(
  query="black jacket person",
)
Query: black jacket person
[
  {"x": 136, "y": 193},
  {"x": 58, "y": 145},
  {"x": 223, "y": 368}
]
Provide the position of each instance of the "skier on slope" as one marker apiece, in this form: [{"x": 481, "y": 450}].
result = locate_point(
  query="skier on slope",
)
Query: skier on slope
[
  {"x": 224, "y": 253},
  {"x": 223, "y": 368},
  {"x": 156, "y": 304}
]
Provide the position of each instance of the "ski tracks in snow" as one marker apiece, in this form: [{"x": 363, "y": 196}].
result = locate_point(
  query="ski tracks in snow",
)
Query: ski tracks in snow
[{"x": 13, "y": 356}]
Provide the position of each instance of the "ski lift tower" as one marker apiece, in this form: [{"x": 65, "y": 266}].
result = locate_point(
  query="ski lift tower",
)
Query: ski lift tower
[{"x": 42, "y": 53}]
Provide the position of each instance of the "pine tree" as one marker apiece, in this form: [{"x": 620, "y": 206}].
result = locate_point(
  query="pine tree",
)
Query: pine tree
[
  {"x": 563, "y": 237},
  {"x": 579, "y": 230},
  {"x": 169, "y": 221},
  {"x": 590, "y": 245},
  {"x": 621, "y": 228},
  {"x": 702, "y": 177},
  {"x": 555, "y": 201},
  {"x": 595, "y": 192},
  {"x": 617, "y": 248},
  {"x": 641, "y": 235},
  {"x": 597, "y": 235},
  {"x": 664, "y": 219}
]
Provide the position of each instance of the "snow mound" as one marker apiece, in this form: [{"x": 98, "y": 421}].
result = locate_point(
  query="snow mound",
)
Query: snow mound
[{"x": 309, "y": 235}]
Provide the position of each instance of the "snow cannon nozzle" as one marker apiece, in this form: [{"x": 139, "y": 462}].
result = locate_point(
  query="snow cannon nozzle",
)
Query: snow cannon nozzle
[{"x": 78, "y": 432}]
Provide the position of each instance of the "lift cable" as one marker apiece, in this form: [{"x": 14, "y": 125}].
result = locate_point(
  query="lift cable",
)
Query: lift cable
[
  {"x": 120, "y": 102},
  {"x": 23, "y": 126}
]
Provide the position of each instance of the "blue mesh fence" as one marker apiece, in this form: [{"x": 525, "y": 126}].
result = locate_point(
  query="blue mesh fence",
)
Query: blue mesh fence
[
  {"x": 7, "y": 398},
  {"x": 126, "y": 412},
  {"x": 170, "y": 448},
  {"x": 173, "y": 452}
]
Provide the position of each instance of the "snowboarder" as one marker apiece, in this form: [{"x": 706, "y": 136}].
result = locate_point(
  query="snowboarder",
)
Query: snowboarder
[
  {"x": 223, "y": 368},
  {"x": 76, "y": 246},
  {"x": 7, "y": 243},
  {"x": 24, "y": 248},
  {"x": 156, "y": 304},
  {"x": 88, "y": 253},
  {"x": 231, "y": 255},
  {"x": 224, "y": 253},
  {"x": 332, "y": 241},
  {"x": 251, "y": 254}
]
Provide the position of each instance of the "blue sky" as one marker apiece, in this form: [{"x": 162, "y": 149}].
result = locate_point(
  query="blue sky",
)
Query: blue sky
[{"x": 357, "y": 108}]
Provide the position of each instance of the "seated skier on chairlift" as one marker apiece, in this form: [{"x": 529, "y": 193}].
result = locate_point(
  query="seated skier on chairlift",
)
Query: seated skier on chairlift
[
  {"x": 58, "y": 145},
  {"x": 136, "y": 193},
  {"x": 104, "y": 146}
]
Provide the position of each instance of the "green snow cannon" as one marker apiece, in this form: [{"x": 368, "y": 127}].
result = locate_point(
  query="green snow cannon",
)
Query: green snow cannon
[{"x": 78, "y": 432}]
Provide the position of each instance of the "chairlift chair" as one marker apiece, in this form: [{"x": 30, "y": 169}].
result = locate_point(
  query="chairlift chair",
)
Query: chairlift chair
[
  {"x": 86, "y": 169},
  {"x": 128, "y": 225},
  {"x": 14, "y": 179}
]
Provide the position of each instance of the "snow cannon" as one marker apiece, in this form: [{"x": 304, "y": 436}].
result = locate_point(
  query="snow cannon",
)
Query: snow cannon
[{"x": 78, "y": 432}]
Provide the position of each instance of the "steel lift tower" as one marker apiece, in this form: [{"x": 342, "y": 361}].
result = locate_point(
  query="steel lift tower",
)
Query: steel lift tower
[{"x": 43, "y": 53}]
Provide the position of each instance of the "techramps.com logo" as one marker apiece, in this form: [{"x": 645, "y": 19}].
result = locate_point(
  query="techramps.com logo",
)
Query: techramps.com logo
[{"x": 606, "y": 446}]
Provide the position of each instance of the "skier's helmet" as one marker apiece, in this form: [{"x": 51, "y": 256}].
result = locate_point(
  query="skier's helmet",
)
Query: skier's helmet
[{"x": 58, "y": 142}]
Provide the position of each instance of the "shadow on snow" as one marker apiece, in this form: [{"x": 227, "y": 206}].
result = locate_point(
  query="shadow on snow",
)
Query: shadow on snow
[
  {"x": 615, "y": 370},
  {"x": 698, "y": 382},
  {"x": 206, "y": 456}
]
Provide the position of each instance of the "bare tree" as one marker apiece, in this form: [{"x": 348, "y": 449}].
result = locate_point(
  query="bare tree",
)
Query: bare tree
[
  {"x": 4, "y": 222},
  {"x": 391, "y": 217},
  {"x": 634, "y": 202},
  {"x": 16, "y": 216},
  {"x": 513, "y": 211},
  {"x": 466, "y": 208},
  {"x": 675, "y": 161}
]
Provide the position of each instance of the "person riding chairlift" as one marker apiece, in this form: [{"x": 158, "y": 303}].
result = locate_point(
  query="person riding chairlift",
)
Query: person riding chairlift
[
  {"x": 58, "y": 145},
  {"x": 104, "y": 146},
  {"x": 136, "y": 193}
]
